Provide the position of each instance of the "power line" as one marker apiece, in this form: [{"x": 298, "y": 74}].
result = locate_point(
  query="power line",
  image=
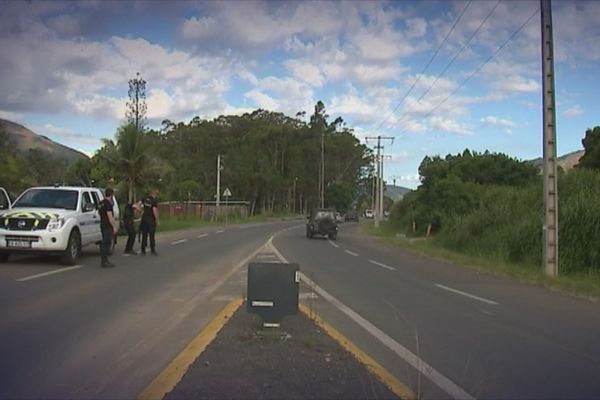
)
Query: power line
[
  {"x": 490, "y": 58},
  {"x": 425, "y": 67},
  {"x": 453, "y": 59}
]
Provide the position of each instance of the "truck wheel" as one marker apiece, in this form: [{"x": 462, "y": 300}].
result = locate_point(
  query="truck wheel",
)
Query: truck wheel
[
  {"x": 4, "y": 257},
  {"x": 73, "y": 250}
]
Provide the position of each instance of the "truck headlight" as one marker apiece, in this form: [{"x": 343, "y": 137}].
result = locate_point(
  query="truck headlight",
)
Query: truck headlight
[{"x": 55, "y": 224}]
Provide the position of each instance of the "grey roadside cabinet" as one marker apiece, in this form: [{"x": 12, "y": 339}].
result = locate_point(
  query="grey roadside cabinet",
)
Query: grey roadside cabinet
[{"x": 273, "y": 290}]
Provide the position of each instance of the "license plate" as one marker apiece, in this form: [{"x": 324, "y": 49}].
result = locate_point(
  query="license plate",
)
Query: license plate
[{"x": 18, "y": 243}]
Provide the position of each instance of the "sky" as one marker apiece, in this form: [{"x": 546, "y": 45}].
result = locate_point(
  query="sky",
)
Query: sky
[{"x": 436, "y": 76}]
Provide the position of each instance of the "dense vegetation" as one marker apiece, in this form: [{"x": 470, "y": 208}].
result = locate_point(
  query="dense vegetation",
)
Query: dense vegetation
[
  {"x": 267, "y": 158},
  {"x": 491, "y": 205}
]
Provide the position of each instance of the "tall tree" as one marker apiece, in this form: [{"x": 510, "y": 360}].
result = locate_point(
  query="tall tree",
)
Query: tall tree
[
  {"x": 591, "y": 145},
  {"x": 136, "y": 106}
]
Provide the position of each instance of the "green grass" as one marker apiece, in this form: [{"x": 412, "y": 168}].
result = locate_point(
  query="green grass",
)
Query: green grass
[
  {"x": 177, "y": 223},
  {"x": 586, "y": 285}
]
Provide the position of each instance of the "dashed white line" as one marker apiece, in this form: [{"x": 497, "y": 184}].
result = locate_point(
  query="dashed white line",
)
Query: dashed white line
[
  {"x": 333, "y": 244},
  {"x": 472, "y": 296},
  {"x": 452, "y": 389},
  {"x": 202, "y": 235},
  {"x": 56, "y": 271},
  {"x": 221, "y": 231},
  {"x": 382, "y": 265},
  {"x": 179, "y": 241},
  {"x": 351, "y": 253}
]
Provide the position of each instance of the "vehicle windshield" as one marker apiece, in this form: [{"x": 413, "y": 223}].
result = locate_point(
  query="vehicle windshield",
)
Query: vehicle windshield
[
  {"x": 48, "y": 198},
  {"x": 324, "y": 214}
]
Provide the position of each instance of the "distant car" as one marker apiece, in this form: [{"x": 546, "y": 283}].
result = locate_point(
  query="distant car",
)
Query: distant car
[
  {"x": 322, "y": 221},
  {"x": 52, "y": 220},
  {"x": 369, "y": 213},
  {"x": 4, "y": 199},
  {"x": 351, "y": 215},
  {"x": 338, "y": 218}
]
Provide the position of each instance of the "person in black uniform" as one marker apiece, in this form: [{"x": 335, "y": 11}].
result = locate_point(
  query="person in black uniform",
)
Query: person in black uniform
[
  {"x": 107, "y": 227},
  {"x": 128, "y": 218},
  {"x": 149, "y": 222}
]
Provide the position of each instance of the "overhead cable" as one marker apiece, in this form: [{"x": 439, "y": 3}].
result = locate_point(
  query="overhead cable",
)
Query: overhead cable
[
  {"x": 426, "y": 66},
  {"x": 453, "y": 59},
  {"x": 490, "y": 58}
]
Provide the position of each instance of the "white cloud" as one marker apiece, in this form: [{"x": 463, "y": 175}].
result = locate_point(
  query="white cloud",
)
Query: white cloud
[
  {"x": 449, "y": 125},
  {"x": 262, "y": 100},
  {"x": 573, "y": 112},
  {"x": 501, "y": 122},
  {"x": 9, "y": 115},
  {"x": 306, "y": 72},
  {"x": 67, "y": 136}
]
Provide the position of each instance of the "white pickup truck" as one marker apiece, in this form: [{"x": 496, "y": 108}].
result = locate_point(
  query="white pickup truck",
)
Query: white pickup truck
[
  {"x": 4, "y": 200},
  {"x": 52, "y": 220}
]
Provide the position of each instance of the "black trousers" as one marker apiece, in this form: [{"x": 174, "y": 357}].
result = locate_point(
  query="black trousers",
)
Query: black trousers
[
  {"x": 130, "y": 228},
  {"x": 107, "y": 241},
  {"x": 148, "y": 231}
]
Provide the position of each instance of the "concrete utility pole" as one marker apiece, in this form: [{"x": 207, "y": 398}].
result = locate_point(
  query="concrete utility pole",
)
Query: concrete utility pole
[
  {"x": 322, "y": 182},
  {"x": 549, "y": 138},
  {"x": 218, "y": 197},
  {"x": 379, "y": 186},
  {"x": 382, "y": 185}
]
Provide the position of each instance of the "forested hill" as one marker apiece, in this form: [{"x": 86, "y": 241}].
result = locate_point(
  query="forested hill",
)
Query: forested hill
[
  {"x": 23, "y": 140},
  {"x": 28, "y": 159}
]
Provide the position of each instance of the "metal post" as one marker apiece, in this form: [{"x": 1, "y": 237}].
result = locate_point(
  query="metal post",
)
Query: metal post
[
  {"x": 549, "y": 138},
  {"x": 218, "y": 198}
]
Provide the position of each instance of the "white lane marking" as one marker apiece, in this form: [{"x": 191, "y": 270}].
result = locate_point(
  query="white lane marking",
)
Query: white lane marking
[
  {"x": 337, "y": 246},
  {"x": 179, "y": 241},
  {"x": 436, "y": 377},
  {"x": 382, "y": 265},
  {"x": 221, "y": 231},
  {"x": 56, "y": 271},
  {"x": 203, "y": 235},
  {"x": 472, "y": 296},
  {"x": 351, "y": 253}
]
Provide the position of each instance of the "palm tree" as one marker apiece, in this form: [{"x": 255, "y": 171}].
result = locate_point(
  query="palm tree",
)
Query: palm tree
[{"x": 129, "y": 158}]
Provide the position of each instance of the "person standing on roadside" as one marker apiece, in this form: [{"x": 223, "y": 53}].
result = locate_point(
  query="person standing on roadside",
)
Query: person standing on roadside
[
  {"x": 107, "y": 227},
  {"x": 129, "y": 214},
  {"x": 149, "y": 222}
]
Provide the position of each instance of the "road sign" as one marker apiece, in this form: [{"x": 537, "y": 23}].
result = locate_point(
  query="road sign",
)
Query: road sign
[{"x": 227, "y": 193}]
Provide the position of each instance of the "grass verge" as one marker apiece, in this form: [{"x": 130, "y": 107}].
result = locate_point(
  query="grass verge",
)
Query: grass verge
[{"x": 581, "y": 285}]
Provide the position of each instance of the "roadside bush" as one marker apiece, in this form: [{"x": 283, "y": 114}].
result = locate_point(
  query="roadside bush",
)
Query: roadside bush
[{"x": 579, "y": 221}]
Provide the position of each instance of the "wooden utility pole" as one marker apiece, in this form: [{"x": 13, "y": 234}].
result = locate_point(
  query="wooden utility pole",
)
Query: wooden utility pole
[
  {"x": 549, "y": 138},
  {"x": 379, "y": 188}
]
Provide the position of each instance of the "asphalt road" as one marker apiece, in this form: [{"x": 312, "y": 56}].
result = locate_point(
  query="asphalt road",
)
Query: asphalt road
[
  {"x": 91, "y": 332},
  {"x": 445, "y": 331},
  {"x": 479, "y": 336}
]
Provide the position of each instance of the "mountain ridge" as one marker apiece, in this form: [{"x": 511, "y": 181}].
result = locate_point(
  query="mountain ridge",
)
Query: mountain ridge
[{"x": 24, "y": 139}]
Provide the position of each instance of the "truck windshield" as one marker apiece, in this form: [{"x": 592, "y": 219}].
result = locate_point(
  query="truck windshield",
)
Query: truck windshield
[{"x": 48, "y": 198}]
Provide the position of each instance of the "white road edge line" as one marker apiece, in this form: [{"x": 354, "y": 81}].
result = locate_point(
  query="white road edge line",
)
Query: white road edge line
[
  {"x": 179, "y": 241},
  {"x": 472, "y": 296},
  {"x": 56, "y": 271},
  {"x": 203, "y": 235},
  {"x": 382, "y": 265},
  {"x": 436, "y": 377},
  {"x": 337, "y": 246},
  {"x": 351, "y": 253}
]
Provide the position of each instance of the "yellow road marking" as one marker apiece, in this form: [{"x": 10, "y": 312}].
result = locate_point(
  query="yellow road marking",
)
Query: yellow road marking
[
  {"x": 400, "y": 389},
  {"x": 172, "y": 374}
]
